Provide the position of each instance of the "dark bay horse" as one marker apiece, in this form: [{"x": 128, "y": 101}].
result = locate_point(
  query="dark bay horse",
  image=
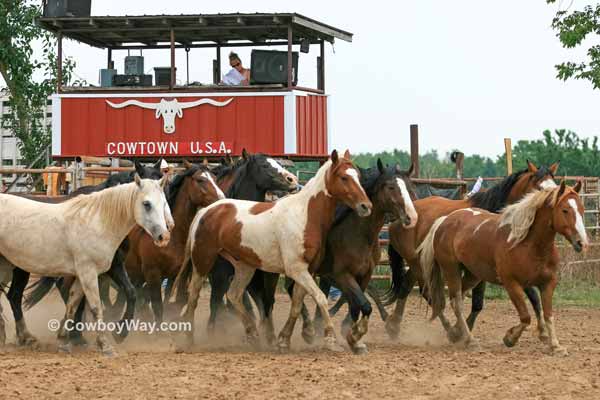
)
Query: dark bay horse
[
  {"x": 287, "y": 236},
  {"x": 353, "y": 251},
  {"x": 404, "y": 242},
  {"x": 189, "y": 191},
  {"x": 515, "y": 249},
  {"x": 116, "y": 272}
]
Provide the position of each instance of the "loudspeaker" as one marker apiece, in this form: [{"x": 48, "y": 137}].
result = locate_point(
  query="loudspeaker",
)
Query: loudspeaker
[
  {"x": 268, "y": 66},
  {"x": 67, "y": 8},
  {"x": 134, "y": 65},
  {"x": 132, "y": 80}
]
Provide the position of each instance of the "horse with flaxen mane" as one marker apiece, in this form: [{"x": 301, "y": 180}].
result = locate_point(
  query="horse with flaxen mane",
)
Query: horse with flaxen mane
[
  {"x": 515, "y": 249},
  {"x": 54, "y": 235},
  {"x": 404, "y": 242},
  {"x": 353, "y": 250},
  {"x": 287, "y": 236}
]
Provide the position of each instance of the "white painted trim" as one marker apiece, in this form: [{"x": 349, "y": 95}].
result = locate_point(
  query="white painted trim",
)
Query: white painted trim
[
  {"x": 329, "y": 147},
  {"x": 289, "y": 124},
  {"x": 56, "y": 126},
  {"x": 187, "y": 94}
]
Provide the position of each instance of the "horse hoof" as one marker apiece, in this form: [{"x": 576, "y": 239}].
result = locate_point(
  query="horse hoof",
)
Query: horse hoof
[
  {"x": 392, "y": 329},
  {"x": 560, "y": 351},
  {"x": 544, "y": 338},
  {"x": 454, "y": 334},
  {"x": 509, "y": 342},
  {"x": 29, "y": 341},
  {"x": 308, "y": 334},
  {"x": 66, "y": 348},
  {"x": 330, "y": 344},
  {"x": 109, "y": 352},
  {"x": 473, "y": 345},
  {"x": 360, "y": 349}
]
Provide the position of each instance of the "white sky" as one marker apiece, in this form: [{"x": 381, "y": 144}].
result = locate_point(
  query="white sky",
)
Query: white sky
[{"x": 468, "y": 72}]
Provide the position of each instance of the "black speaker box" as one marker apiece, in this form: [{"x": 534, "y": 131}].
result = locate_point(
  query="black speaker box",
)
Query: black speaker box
[
  {"x": 132, "y": 80},
  {"x": 67, "y": 8},
  {"x": 267, "y": 66}
]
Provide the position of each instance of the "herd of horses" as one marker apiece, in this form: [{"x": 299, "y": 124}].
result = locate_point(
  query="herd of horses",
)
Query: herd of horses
[{"x": 141, "y": 228}]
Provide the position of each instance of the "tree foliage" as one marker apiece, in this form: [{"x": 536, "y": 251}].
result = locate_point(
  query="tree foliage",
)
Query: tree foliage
[
  {"x": 572, "y": 28},
  {"x": 19, "y": 65}
]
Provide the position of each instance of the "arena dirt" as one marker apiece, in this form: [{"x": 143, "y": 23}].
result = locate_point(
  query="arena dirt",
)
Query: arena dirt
[{"x": 421, "y": 365}]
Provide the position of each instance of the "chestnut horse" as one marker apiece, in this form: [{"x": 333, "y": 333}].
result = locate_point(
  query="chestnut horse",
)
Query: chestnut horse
[
  {"x": 190, "y": 190},
  {"x": 515, "y": 249},
  {"x": 56, "y": 233},
  {"x": 404, "y": 242},
  {"x": 353, "y": 250},
  {"x": 287, "y": 236}
]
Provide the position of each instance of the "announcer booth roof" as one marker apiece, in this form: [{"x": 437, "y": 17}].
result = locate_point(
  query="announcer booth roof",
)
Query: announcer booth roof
[{"x": 199, "y": 30}]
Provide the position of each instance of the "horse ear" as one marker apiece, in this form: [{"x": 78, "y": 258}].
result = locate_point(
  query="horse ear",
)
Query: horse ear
[
  {"x": 531, "y": 167},
  {"x": 139, "y": 168},
  {"x": 187, "y": 164},
  {"x": 380, "y": 166},
  {"x": 397, "y": 169},
  {"x": 577, "y": 186},
  {"x": 205, "y": 162},
  {"x": 157, "y": 164},
  {"x": 245, "y": 154},
  {"x": 347, "y": 154},
  {"x": 411, "y": 169},
  {"x": 137, "y": 179},
  {"x": 229, "y": 159},
  {"x": 562, "y": 187},
  {"x": 334, "y": 156},
  {"x": 554, "y": 167}
]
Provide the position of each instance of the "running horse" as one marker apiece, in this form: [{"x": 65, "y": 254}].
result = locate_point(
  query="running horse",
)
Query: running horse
[
  {"x": 516, "y": 249},
  {"x": 353, "y": 250},
  {"x": 287, "y": 236},
  {"x": 56, "y": 236},
  {"x": 404, "y": 242}
]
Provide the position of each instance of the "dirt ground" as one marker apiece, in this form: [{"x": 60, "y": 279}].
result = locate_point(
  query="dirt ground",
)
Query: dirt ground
[{"x": 421, "y": 365}]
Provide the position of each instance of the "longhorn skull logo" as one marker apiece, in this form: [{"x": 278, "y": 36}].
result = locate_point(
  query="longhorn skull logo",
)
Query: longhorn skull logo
[{"x": 169, "y": 109}]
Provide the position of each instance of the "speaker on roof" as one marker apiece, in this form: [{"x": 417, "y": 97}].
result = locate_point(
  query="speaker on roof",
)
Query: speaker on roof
[
  {"x": 67, "y": 8},
  {"x": 267, "y": 66}
]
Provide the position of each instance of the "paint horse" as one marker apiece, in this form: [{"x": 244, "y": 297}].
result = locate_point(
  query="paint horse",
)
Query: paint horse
[
  {"x": 116, "y": 271},
  {"x": 353, "y": 250},
  {"x": 190, "y": 190},
  {"x": 56, "y": 236},
  {"x": 404, "y": 242},
  {"x": 515, "y": 249},
  {"x": 287, "y": 236}
]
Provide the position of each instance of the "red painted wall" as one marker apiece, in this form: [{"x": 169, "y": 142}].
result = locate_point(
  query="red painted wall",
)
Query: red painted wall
[
  {"x": 256, "y": 123},
  {"x": 311, "y": 124}
]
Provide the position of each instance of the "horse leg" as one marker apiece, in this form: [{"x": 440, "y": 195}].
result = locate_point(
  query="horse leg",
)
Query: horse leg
[
  {"x": 454, "y": 281},
  {"x": 153, "y": 279},
  {"x": 534, "y": 299},
  {"x": 477, "y": 298},
  {"x": 298, "y": 293},
  {"x": 194, "y": 288},
  {"x": 392, "y": 324},
  {"x": 219, "y": 278},
  {"x": 378, "y": 303},
  {"x": 308, "y": 327},
  {"x": 15, "y": 297},
  {"x": 270, "y": 281},
  {"x": 516, "y": 294},
  {"x": 358, "y": 303},
  {"x": 76, "y": 335},
  {"x": 300, "y": 274},
  {"x": 2, "y": 326},
  {"x": 68, "y": 335},
  {"x": 119, "y": 275},
  {"x": 242, "y": 277},
  {"x": 547, "y": 293},
  {"x": 325, "y": 284},
  {"x": 89, "y": 284}
]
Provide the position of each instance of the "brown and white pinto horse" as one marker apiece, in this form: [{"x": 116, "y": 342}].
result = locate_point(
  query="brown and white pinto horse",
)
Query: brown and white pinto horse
[
  {"x": 515, "y": 249},
  {"x": 284, "y": 237},
  {"x": 404, "y": 241}
]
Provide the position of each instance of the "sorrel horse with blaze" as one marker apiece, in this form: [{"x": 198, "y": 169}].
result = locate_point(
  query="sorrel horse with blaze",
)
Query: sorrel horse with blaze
[
  {"x": 516, "y": 249},
  {"x": 287, "y": 237},
  {"x": 404, "y": 242},
  {"x": 193, "y": 188}
]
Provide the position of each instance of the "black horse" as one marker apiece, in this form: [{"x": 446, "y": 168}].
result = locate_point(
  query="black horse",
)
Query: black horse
[{"x": 116, "y": 272}]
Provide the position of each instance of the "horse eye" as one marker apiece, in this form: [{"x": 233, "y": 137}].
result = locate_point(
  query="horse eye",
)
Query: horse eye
[
  {"x": 147, "y": 205},
  {"x": 565, "y": 211},
  {"x": 344, "y": 178}
]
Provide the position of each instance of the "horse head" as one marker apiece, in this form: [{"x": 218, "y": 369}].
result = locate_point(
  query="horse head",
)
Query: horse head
[
  {"x": 343, "y": 182},
  {"x": 151, "y": 210},
  {"x": 567, "y": 216},
  {"x": 394, "y": 192}
]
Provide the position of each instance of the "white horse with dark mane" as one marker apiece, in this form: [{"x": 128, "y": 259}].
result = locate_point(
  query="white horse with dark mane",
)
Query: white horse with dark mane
[{"x": 79, "y": 238}]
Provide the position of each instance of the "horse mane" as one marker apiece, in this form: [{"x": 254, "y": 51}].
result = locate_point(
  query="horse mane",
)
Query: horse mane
[
  {"x": 494, "y": 199},
  {"x": 112, "y": 204},
  {"x": 240, "y": 169},
  {"x": 521, "y": 215},
  {"x": 177, "y": 183}
]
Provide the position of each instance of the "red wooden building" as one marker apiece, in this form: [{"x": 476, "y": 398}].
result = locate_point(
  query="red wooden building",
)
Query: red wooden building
[{"x": 172, "y": 120}]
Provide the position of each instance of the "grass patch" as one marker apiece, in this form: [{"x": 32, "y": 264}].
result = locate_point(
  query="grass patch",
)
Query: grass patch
[{"x": 567, "y": 293}]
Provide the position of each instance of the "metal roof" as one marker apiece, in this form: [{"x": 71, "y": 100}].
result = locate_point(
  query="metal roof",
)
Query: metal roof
[{"x": 212, "y": 29}]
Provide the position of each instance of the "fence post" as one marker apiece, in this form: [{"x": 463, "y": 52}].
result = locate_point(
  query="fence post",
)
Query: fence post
[
  {"x": 414, "y": 149},
  {"x": 509, "y": 163}
]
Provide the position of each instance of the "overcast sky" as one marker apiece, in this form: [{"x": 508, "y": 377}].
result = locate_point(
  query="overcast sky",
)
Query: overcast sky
[{"x": 468, "y": 72}]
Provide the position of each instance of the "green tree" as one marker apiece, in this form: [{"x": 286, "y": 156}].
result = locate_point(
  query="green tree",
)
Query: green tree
[
  {"x": 572, "y": 28},
  {"x": 18, "y": 65}
]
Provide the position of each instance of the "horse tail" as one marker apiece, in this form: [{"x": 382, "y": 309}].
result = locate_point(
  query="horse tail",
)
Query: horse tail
[
  {"x": 398, "y": 277},
  {"x": 39, "y": 290},
  {"x": 183, "y": 276},
  {"x": 432, "y": 274}
]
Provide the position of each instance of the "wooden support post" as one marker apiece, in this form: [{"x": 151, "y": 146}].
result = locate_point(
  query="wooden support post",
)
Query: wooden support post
[
  {"x": 289, "y": 57},
  {"x": 59, "y": 71},
  {"x": 459, "y": 160},
  {"x": 109, "y": 59},
  {"x": 414, "y": 149},
  {"x": 509, "y": 162},
  {"x": 321, "y": 68},
  {"x": 172, "y": 81}
]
